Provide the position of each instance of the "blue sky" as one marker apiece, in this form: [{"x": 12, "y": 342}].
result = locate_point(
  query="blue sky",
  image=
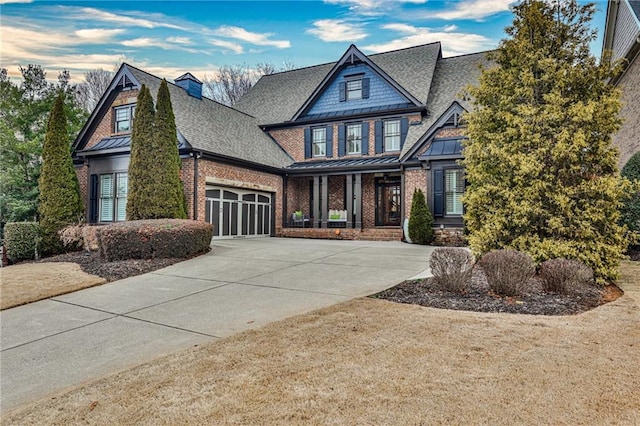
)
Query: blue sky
[{"x": 169, "y": 38}]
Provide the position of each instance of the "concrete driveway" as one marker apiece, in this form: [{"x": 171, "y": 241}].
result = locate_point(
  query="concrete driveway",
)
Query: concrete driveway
[{"x": 54, "y": 344}]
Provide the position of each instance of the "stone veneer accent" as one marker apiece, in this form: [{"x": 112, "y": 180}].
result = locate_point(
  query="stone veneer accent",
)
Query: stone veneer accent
[{"x": 451, "y": 237}]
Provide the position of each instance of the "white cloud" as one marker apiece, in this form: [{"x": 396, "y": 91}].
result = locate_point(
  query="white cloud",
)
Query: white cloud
[
  {"x": 129, "y": 20},
  {"x": 337, "y": 30},
  {"x": 453, "y": 43},
  {"x": 227, "y": 45},
  {"x": 145, "y": 42},
  {"x": 180, "y": 40},
  {"x": 473, "y": 9},
  {"x": 373, "y": 7},
  {"x": 259, "y": 39},
  {"x": 15, "y": 1},
  {"x": 97, "y": 35}
]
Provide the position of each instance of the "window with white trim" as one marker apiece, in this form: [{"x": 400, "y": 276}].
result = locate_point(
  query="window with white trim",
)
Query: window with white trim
[
  {"x": 123, "y": 118},
  {"x": 391, "y": 135},
  {"x": 113, "y": 197},
  {"x": 319, "y": 141},
  {"x": 354, "y": 138},
  {"x": 453, "y": 190}
]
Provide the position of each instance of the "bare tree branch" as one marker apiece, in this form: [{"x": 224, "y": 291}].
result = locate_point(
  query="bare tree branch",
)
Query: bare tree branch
[{"x": 95, "y": 83}]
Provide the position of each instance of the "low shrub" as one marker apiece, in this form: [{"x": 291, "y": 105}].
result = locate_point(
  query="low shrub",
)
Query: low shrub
[
  {"x": 153, "y": 238},
  {"x": 71, "y": 237},
  {"x": 564, "y": 275},
  {"x": 80, "y": 237},
  {"x": 21, "y": 240},
  {"x": 508, "y": 271},
  {"x": 451, "y": 268}
]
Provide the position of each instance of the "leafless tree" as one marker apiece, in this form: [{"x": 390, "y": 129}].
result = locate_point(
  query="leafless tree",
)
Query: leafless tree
[
  {"x": 231, "y": 82},
  {"x": 95, "y": 83}
]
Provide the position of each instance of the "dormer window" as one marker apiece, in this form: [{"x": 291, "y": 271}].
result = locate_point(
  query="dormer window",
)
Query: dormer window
[
  {"x": 354, "y": 89},
  {"x": 123, "y": 118}
]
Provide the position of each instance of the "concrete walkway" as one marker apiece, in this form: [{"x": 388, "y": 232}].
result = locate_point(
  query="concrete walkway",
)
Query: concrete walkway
[{"x": 54, "y": 344}]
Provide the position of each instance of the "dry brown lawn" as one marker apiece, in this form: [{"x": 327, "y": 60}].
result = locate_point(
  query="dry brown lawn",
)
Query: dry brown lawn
[
  {"x": 28, "y": 282},
  {"x": 376, "y": 362}
]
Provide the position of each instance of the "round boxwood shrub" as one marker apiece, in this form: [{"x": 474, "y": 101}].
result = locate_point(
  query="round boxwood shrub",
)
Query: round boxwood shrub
[{"x": 21, "y": 240}]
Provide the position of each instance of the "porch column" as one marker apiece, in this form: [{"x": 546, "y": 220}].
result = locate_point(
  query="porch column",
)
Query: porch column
[
  {"x": 324, "y": 186},
  {"x": 316, "y": 201},
  {"x": 358, "y": 200},
  {"x": 349, "y": 197},
  {"x": 402, "y": 207}
]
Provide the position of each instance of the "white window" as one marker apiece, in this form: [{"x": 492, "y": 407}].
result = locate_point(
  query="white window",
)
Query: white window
[
  {"x": 319, "y": 142},
  {"x": 113, "y": 197},
  {"x": 123, "y": 118},
  {"x": 354, "y": 89},
  {"x": 392, "y": 135},
  {"x": 454, "y": 188},
  {"x": 354, "y": 138}
]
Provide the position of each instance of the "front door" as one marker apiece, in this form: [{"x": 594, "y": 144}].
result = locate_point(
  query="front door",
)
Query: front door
[{"x": 388, "y": 201}]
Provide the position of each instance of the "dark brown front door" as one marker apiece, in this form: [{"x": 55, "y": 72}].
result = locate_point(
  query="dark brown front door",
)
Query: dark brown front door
[{"x": 388, "y": 202}]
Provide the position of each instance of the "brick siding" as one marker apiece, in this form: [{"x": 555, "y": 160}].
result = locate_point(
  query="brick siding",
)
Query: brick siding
[
  {"x": 105, "y": 128},
  {"x": 212, "y": 169},
  {"x": 292, "y": 140},
  {"x": 82, "y": 172},
  {"x": 628, "y": 137}
]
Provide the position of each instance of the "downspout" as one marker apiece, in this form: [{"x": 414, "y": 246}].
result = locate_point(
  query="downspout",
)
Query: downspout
[{"x": 195, "y": 155}]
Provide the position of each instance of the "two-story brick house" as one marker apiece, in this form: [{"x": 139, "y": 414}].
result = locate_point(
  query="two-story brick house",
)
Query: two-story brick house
[
  {"x": 622, "y": 37},
  {"x": 324, "y": 151}
]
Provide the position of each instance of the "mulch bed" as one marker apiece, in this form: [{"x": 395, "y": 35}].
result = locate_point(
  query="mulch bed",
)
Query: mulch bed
[
  {"x": 479, "y": 297},
  {"x": 93, "y": 264}
]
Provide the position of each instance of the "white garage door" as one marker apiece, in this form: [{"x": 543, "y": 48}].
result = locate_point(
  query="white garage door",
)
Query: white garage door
[{"x": 238, "y": 212}]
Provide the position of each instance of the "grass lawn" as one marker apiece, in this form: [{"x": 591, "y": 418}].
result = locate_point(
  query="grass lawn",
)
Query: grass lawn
[
  {"x": 29, "y": 282},
  {"x": 377, "y": 362}
]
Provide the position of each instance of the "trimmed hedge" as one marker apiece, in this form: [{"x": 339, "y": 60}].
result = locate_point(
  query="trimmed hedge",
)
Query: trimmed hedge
[
  {"x": 153, "y": 238},
  {"x": 21, "y": 240}
]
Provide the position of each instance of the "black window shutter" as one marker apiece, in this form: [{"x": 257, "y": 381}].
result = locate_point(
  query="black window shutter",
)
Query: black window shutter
[
  {"x": 343, "y": 91},
  {"x": 365, "y": 88},
  {"x": 93, "y": 199},
  {"x": 404, "y": 129},
  {"x": 438, "y": 193},
  {"x": 379, "y": 137},
  {"x": 307, "y": 142},
  {"x": 365, "y": 138},
  {"x": 342, "y": 136},
  {"x": 329, "y": 141}
]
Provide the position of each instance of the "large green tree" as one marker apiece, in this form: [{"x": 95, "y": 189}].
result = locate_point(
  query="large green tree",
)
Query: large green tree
[
  {"x": 24, "y": 108},
  {"x": 154, "y": 171},
  {"x": 539, "y": 161},
  {"x": 60, "y": 201}
]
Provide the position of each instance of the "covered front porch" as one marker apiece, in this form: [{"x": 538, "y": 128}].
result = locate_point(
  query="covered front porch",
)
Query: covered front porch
[{"x": 358, "y": 203}]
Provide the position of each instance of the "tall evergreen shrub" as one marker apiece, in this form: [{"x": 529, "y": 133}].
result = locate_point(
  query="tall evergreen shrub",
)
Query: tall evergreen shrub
[
  {"x": 60, "y": 200},
  {"x": 155, "y": 188},
  {"x": 541, "y": 169},
  {"x": 420, "y": 220}
]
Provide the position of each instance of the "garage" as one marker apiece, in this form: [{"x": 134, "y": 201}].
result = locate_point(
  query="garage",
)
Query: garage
[{"x": 238, "y": 213}]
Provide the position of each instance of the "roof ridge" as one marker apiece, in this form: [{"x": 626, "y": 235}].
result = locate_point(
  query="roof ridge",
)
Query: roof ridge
[
  {"x": 178, "y": 87},
  {"x": 405, "y": 48},
  {"x": 484, "y": 52}
]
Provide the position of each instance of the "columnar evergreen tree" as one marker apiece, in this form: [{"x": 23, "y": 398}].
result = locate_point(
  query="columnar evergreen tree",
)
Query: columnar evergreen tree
[
  {"x": 168, "y": 157},
  {"x": 142, "y": 171},
  {"x": 60, "y": 201},
  {"x": 542, "y": 171},
  {"x": 155, "y": 189},
  {"x": 420, "y": 220}
]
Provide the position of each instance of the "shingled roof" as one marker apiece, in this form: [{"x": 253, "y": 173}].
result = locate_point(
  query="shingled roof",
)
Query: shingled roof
[
  {"x": 209, "y": 126},
  {"x": 277, "y": 97},
  {"x": 451, "y": 77},
  {"x": 215, "y": 128}
]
